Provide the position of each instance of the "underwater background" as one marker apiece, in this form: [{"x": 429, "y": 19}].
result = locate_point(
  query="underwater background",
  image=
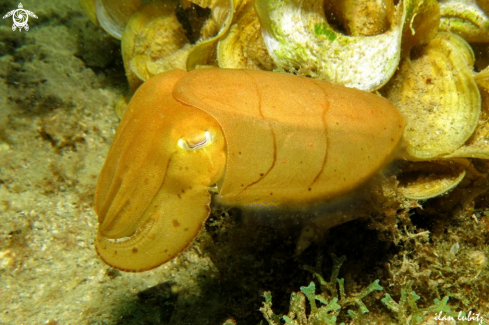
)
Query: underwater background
[{"x": 61, "y": 80}]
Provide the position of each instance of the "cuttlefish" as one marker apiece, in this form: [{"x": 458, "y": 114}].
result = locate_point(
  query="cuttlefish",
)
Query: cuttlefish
[{"x": 248, "y": 138}]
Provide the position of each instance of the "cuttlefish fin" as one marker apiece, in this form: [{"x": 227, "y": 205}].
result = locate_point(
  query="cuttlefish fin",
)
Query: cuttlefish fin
[{"x": 152, "y": 196}]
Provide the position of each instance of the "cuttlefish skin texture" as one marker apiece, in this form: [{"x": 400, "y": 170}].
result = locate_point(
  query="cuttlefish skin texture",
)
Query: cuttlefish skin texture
[{"x": 264, "y": 138}]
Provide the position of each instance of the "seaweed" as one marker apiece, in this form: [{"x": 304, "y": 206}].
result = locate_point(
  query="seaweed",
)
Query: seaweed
[
  {"x": 333, "y": 300},
  {"x": 408, "y": 312}
]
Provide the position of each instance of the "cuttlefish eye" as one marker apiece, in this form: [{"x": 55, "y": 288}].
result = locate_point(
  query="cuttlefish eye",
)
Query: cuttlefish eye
[
  {"x": 195, "y": 142},
  {"x": 260, "y": 136}
]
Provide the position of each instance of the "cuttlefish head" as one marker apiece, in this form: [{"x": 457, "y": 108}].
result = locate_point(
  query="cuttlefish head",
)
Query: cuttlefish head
[{"x": 152, "y": 195}]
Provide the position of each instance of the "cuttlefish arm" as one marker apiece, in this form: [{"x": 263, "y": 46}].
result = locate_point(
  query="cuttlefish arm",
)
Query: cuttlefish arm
[{"x": 152, "y": 195}]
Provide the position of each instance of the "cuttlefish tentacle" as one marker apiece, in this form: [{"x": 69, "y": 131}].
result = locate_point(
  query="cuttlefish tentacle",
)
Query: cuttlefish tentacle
[{"x": 152, "y": 197}]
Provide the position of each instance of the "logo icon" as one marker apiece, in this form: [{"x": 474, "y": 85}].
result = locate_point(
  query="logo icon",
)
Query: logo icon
[{"x": 20, "y": 16}]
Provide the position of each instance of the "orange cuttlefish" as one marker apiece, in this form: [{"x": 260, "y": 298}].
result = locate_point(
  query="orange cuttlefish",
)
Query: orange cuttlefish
[{"x": 245, "y": 137}]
